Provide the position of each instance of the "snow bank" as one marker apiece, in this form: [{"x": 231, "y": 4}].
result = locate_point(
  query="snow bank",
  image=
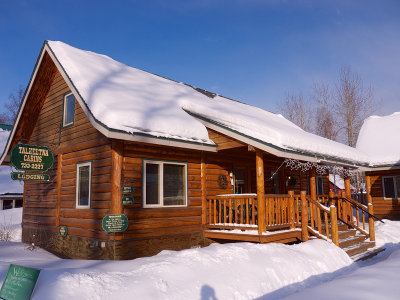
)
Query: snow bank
[
  {"x": 378, "y": 138},
  {"x": 134, "y": 101},
  {"x": 10, "y": 221},
  {"x": 230, "y": 271}
]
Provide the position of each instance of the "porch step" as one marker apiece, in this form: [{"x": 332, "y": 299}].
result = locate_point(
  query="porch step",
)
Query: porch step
[
  {"x": 359, "y": 248},
  {"x": 346, "y": 233},
  {"x": 341, "y": 227},
  {"x": 351, "y": 241}
]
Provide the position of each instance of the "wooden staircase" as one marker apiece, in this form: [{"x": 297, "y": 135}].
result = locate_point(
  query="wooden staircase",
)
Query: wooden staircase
[{"x": 355, "y": 244}]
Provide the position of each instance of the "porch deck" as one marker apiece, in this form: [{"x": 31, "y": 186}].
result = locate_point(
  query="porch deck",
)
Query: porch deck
[{"x": 283, "y": 218}]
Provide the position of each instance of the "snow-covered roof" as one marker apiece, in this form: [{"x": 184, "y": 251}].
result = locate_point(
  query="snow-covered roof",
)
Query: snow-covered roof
[
  {"x": 7, "y": 185},
  {"x": 338, "y": 181},
  {"x": 379, "y": 138},
  {"x": 133, "y": 101}
]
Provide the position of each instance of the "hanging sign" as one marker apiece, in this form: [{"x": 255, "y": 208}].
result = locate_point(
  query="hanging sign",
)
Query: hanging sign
[
  {"x": 115, "y": 223},
  {"x": 30, "y": 176},
  {"x": 127, "y": 189},
  {"x": 63, "y": 230},
  {"x": 127, "y": 200},
  {"x": 31, "y": 158},
  {"x": 19, "y": 283}
]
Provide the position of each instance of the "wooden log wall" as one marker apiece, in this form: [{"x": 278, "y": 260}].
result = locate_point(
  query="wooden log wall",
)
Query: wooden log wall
[
  {"x": 156, "y": 222},
  {"x": 387, "y": 208},
  {"x": 77, "y": 143}
]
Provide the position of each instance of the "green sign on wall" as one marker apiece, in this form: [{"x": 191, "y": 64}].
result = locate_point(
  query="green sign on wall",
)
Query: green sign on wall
[
  {"x": 127, "y": 201},
  {"x": 115, "y": 223},
  {"x": 30, "y": 176},
  {"x": 31, "y": 158},
  {"x": 127, "y": 189},
  {"x": 63, "y": 230},
  {"x": 19, "y": 283}
]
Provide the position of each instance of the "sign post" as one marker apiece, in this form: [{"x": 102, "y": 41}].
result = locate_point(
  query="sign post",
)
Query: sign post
[{"x": 19, "y": 283}]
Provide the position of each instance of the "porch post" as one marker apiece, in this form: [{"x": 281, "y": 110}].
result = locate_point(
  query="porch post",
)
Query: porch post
[
  {"x": 347, "y": 186},
  {"x": 370, "y": 208},
  {"x": 260, "y": 191},
  {"x": 313, "y": 186},
  {"x": 304, "y": 217},
  {"x": 116, "y": 174},
  {"x": 203, "y": 190},
  {"x": 348, "y": 195}
]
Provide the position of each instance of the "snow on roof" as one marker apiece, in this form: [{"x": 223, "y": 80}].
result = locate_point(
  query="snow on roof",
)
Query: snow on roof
[
  {"x": 379, "y": 138},
  {"x": 338, "y": 181},
  {"x": 134, "y": 101},
  {"x": 7, "y": 185}
]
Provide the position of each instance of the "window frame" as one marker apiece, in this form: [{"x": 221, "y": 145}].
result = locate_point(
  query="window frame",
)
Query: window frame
[
  {"x": 79, "y": 165},
  {"x": 322, "y": 184},
  {"x": 161, "y": 182},
  {"x": 397, "y": 196},
  {"x": 65, "y": 96}
]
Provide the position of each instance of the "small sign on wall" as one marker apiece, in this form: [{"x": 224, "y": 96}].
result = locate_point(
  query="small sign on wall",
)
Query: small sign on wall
[
  {"x": 19, "y": 283},
  {"x": 127, "y": 189},
  {"x": 127, "y": 200},
  {"x": 63, "y": 230},
  {"x": 115, "y": 223},
  {"x": 30, "y": 176}
]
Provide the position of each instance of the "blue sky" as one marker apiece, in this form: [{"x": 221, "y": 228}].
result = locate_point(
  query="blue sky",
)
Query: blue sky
[{"x": 250, "y": 50}]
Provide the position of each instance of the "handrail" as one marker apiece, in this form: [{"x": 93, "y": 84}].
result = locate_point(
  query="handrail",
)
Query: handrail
[
  {"x": 353, "y": 226},
  {"x": 362, "y": 208},
  {"x": 323, "y": 207}
]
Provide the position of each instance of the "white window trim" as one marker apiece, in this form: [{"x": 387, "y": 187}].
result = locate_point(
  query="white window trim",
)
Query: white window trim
[
  {"x": 78, "y": 165},
  {"x": 395, "y": 187},
  {"x": 161, "y": 180},
  {"x": 65, "y": 110}
]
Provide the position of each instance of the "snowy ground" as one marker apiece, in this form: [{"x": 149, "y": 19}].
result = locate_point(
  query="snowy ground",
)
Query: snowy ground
[{"x": 315, "y": 269}]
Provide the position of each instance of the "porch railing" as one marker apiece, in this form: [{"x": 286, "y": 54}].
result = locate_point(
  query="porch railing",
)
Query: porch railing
[{"x": 318, "y": 216}]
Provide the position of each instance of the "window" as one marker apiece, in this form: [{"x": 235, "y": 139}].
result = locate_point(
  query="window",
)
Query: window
[
  {"x": 83, "y": 184},
  {"x": 391, "y": 186},
  {"x": 320, "y": 185},
  {"x": 69, "y": 110},
  {"x": 275, "y": 183},
  {"x": 164, "y": 184}
]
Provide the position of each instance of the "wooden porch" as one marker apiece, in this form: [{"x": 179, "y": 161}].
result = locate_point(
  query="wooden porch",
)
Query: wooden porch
[{"x": 287, "y": 218}]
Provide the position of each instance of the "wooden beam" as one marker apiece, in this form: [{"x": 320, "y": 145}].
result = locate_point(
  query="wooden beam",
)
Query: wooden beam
[
  {"x": 203, "y": 190},
  {"x": 313, "y": 185},
  {"x": 304, "y": 217},
  {"x": 347, "y": 186},
  {"x": 116, "y": 170},
  {"x": 260, "y": 191},
  {"x": 370, "y": 208},
  {"x": 59, "y": 167}
]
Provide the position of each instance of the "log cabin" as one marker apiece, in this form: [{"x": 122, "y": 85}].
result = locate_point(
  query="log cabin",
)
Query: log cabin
[
  {"x": 202, "y": 168},
  {"x": 377, "y": 138}
]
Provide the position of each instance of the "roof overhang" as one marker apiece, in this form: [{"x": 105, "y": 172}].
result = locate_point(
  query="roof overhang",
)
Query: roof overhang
[
  {"x": 106, "y": 131},
  {"x": 270, "y": 148}
]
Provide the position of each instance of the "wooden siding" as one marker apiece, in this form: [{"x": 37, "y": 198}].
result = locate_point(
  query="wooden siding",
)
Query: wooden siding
[
  {"x": 156, "y": 222},
  {"x": 78, "y": 143},
  {"x": 383, "y": 207}
]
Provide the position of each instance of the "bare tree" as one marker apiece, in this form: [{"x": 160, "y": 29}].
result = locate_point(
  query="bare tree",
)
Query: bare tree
[
  {"x": 12, "y": 106},
  {"x": 354, "y": 103},
  {"x": 325, "y": 123},
  {"x": 297, "y": 110}
]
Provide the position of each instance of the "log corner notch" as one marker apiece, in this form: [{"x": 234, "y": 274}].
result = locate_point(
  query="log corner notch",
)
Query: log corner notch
[
  {"x": 203, "y": 190},
  {"x": 260, "y": 191},
  {"x": 116, "y": 176}
]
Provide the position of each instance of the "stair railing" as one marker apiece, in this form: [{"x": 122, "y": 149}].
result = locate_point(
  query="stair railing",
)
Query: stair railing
[{"x": 313, "y": 215}]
